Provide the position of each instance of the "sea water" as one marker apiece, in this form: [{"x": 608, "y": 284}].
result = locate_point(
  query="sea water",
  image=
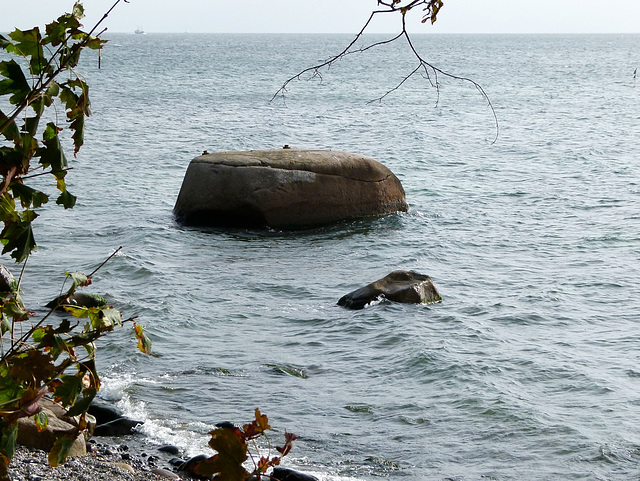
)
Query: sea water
[{"x": 530, "y": 366}]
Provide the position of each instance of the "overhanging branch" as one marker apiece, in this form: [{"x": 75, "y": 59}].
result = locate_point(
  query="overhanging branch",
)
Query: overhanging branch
[{"x": 430, "y": 71}]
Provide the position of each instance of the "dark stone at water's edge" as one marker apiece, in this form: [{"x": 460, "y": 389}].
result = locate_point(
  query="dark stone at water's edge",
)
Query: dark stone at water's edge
[
  {"x": 399, "y": 286},
  {"x": 191, "y": 465},
  {"x": 110, "y": 422},
  {"x": 285, "y": 188},
  {"x": 117, "y": 427},
  {"x": 284, "y": 474},
  {"x": 78, "y": 299},
  {"x": 170, "y": 449}
]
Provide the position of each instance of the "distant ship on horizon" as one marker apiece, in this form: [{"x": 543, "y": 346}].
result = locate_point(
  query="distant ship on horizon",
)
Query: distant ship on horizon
[{"x": 139, "y": 31}]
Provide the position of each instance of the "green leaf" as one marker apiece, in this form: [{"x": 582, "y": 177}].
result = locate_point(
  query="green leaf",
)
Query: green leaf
[
  {"x": 8, "y": 209},
  {"x": 29, "y": 197},
  {"x": 70, "y": 55},
  {"x": 77, "y": 311},
  {"x": 9, "y": 129},
  {"x": 26, "y": 43},
  {"x": 10, "y": 389},
  {"x": 77, "y": 106},
  {"x": 42, "y": 421},
  {"x": 78, "y": 11},
  {"x": 8, "y": 441},
  {"x": 53, "y": 90},
  {"x": 60, "y": 450},
  {"x": 18, "y": 239},
  {"x": 5, "y": 324},
  {"x": 77, "y": 280},
  {"x": 33, "y": 366},
  {"x": 82, "y": 405},
  {"x": 232, "y": 452},
  {"x": 144, "y": 343},
  {"x": 15, "y": 309},
  {"x": 67, "y": 392},
  {"x": 31, "y": 124},
  {"x": 57, "y": 31},
  {"x": 15, "y": 82},
  {"x": 4, "y": 42},
  {"x": 67, "y": 200},
  {"x": 51, "y": 154},
  {"x": 95, "y": 43},
  {"x": 78, "y": 133},
  {"x": 105, "y": 318}
]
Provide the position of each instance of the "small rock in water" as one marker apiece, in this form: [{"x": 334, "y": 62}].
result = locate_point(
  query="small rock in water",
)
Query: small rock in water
[
  {"x": 103, "y": 412},
  {"x": 191, "y": 464},
  {"x": 284, "y": 474},
  {"x": 169, "y": 448},
  {"x": 225, "y": 425},
  {"x": 399, "y": 286},
  {"x": 117, "y": 427}
]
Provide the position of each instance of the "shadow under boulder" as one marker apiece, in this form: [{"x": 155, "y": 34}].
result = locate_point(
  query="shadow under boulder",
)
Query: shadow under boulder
[{"x": 400, "y": 286}]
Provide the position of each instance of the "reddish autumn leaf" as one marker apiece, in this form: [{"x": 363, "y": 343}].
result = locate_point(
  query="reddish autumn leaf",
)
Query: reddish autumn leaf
[{"x": 289, "y": 438}]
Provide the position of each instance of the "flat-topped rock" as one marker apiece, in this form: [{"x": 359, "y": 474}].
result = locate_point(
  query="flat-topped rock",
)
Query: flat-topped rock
[{"x": 285, "y": 188}]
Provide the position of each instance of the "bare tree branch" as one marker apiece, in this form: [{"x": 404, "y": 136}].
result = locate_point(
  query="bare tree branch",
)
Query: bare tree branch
[{"x": 429, "y": 71}]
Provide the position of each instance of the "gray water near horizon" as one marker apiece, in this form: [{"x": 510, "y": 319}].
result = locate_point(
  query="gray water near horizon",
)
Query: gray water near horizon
[{"x": 528, "y": 369}]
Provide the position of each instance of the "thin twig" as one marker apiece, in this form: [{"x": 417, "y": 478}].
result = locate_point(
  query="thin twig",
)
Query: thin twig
[
  {"x": 426, "y": 67},
  {"x": 105, "y": 261},
  {"x": 44, "y": 173}
]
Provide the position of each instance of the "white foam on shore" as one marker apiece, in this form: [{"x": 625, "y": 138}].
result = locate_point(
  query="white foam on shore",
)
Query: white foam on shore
[{"x": 187, "y": 437}]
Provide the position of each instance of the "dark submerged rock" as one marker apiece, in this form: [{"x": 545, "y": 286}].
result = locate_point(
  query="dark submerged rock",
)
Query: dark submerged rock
[
  {"x": 170, "y": 449},
  {"x": 285, "y": 188},
  {"x": 225, "y": 425},
  {"x": 79, "y": 299},
  {"x": 103, "y": 412},
  {"x": 109, "y": 422},
  {"x": 399, "y": 286},
  {"x": 118, "y": 427},
  {"x": 190, "y": 465},
  {"x": 285, "y": 474}
]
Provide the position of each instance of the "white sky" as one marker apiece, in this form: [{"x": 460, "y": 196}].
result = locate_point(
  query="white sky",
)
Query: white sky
[{"x": 335, "y": 16}]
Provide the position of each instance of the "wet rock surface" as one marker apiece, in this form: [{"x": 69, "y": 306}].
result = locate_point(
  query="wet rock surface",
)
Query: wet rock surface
[{"x": 399, "y": 286}]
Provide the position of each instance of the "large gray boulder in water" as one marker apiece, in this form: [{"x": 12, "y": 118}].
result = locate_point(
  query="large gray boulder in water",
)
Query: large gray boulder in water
[
  {"x": 285, "y": 188},
  {"x": 399, "y": 286}
]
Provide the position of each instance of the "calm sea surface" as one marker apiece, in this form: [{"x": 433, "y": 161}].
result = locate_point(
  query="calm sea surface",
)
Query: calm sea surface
[{"x": 530, "y": 367}]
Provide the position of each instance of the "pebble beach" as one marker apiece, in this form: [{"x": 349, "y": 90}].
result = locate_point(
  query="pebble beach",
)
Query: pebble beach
[{"x": 108, "y": 462}]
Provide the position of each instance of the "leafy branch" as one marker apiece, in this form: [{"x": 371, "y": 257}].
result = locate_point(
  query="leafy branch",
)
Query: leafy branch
[
  {"x": 232, "y": 451},
  {"x": 48, "y": 55},
  {"x": 52, "y": 360},
  {"x": 430, "y": 72},
  {"x": 58, "y": 360}
]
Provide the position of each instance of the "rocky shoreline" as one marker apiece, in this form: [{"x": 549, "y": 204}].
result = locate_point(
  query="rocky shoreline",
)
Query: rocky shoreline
[
  {"x": 105, "y": 461},
  {"x": 108, "y": 461}
]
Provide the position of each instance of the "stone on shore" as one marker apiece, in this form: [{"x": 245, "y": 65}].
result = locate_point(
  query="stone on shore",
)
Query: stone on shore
[
  {"x": 59, "y": 424},
  {"x": 285, "y": 474},
  {"x": 110, "y": 422},
  {"x": 285, "y": 188},
  {"x": 399, "y": 286},
  {"x": 29, "y": 436}
]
